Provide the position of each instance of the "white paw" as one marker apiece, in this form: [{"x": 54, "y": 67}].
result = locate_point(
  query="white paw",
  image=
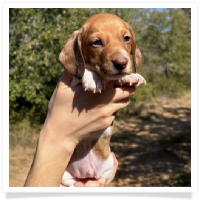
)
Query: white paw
[
  {"x": 68, "y": 180},
  {"x": 132, "y": 79},
  {"x": 92, "y": 82}
]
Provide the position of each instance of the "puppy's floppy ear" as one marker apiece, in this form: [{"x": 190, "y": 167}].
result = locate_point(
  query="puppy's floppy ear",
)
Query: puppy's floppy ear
[
  {"x": 71, "y": 57},
  {"x": 136, "y": 53},
  {"x": 138, "y": 58}
]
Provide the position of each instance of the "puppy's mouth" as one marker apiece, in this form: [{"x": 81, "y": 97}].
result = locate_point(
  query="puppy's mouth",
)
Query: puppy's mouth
[{"x": 112, "y": 74}]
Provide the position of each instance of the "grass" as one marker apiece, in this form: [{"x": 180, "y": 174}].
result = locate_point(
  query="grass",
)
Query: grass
[
  {"x": 152, "y": 145},
  {"x": 23, "y": 134}
]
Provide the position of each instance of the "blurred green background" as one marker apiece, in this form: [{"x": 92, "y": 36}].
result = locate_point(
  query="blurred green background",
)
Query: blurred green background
[{"x": 38, "y": 35}]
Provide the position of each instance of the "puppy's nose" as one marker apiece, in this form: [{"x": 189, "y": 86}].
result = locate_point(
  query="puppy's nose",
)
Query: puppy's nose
[{"x": 120, "y": 63}]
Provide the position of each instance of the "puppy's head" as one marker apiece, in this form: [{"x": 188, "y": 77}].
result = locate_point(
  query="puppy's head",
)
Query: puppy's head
[{"x": 105, "y": 44}]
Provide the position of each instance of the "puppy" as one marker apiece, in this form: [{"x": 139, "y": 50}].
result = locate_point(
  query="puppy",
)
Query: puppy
[{"x": 104, "y": 49}]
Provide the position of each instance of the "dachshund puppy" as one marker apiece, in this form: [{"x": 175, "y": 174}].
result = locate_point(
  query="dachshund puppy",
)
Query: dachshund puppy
[{"x": 103, "y": 50}]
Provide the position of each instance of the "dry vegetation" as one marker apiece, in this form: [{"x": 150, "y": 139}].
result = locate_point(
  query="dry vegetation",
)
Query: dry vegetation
[{"x": 152, "y": 146}]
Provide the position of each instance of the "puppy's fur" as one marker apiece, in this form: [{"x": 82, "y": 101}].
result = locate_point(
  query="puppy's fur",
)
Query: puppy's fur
[{"x": 104, "y": 49}]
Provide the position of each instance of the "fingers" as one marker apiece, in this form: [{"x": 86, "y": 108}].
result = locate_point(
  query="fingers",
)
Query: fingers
[
  {"x": 65, "y": 79},
  {"x": 111, "y": 94},
  {"x": 120, "y": 99},
  {"x": 90, "y": 183},
  {"x": 123, "y": 93},
  {"x": 120, "y": 102}
]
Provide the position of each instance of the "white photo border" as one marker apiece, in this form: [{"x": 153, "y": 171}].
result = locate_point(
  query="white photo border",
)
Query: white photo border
[{"x": 102, "y": 4}]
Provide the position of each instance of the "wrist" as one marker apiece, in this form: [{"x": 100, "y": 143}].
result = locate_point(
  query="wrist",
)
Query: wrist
[
  {"x": 50, "y": 137},
  {"x": 51, "y": 159}
]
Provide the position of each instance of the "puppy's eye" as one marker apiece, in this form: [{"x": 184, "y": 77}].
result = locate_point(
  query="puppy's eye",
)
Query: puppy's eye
[
  {"x": 126, "y": 39},
  {"x": 97, "y": 43}
]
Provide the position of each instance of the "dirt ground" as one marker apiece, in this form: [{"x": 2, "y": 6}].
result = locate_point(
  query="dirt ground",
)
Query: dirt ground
[{"x": 152, "y": 145}]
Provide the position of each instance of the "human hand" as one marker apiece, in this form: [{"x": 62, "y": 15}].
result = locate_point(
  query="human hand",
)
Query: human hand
[{"x": 74, "y": 114}]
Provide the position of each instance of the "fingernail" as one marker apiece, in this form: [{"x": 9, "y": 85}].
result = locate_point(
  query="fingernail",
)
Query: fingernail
[{"x": 78, "y": 184}]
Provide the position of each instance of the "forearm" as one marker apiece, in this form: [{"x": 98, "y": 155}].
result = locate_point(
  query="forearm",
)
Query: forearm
[
  {"x": 73, "y": 115},
  {"x": 51, "y": 158}
]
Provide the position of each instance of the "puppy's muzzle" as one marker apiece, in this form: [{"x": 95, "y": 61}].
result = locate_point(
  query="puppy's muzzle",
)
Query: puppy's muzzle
[{"x": 120, "y": 63}]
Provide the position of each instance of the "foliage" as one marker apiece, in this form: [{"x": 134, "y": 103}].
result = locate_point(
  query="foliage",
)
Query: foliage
[
  {"x": 38, "y": 35},
  {"x": 36, "y": 38}
]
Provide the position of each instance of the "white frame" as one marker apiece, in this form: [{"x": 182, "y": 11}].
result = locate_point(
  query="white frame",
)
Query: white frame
[{"x": 91, "y": 4}]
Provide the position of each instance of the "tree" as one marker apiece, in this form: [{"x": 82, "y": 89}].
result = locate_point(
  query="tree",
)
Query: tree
[
  {"x": 36, "y": 38},
  {"x": 166, "y": 44},
  {"x": 38, "y": 35}
]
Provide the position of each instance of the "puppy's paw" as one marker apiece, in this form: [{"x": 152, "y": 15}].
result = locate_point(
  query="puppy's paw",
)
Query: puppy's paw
[
  {"x": 68, "y": 180},
  {"x": 92, "y": 82},
  {"x": 132, "y": 79}
]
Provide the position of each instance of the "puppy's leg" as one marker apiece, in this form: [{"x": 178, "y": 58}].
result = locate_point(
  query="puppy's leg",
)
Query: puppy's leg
[
  {"x": 68, "y": 179},
  {"x": 132, "y": 79},
  {"x": 91, "y": 81}
]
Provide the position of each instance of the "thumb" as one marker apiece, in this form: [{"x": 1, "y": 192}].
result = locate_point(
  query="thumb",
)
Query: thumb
[{"x": 65, "y": 78}]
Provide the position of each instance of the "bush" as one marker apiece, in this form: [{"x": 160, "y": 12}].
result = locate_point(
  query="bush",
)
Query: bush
[{"x": 38, "y": 35}]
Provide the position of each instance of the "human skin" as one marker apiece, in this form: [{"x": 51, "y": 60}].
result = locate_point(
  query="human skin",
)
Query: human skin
[{"x": 73, "y": 115}]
